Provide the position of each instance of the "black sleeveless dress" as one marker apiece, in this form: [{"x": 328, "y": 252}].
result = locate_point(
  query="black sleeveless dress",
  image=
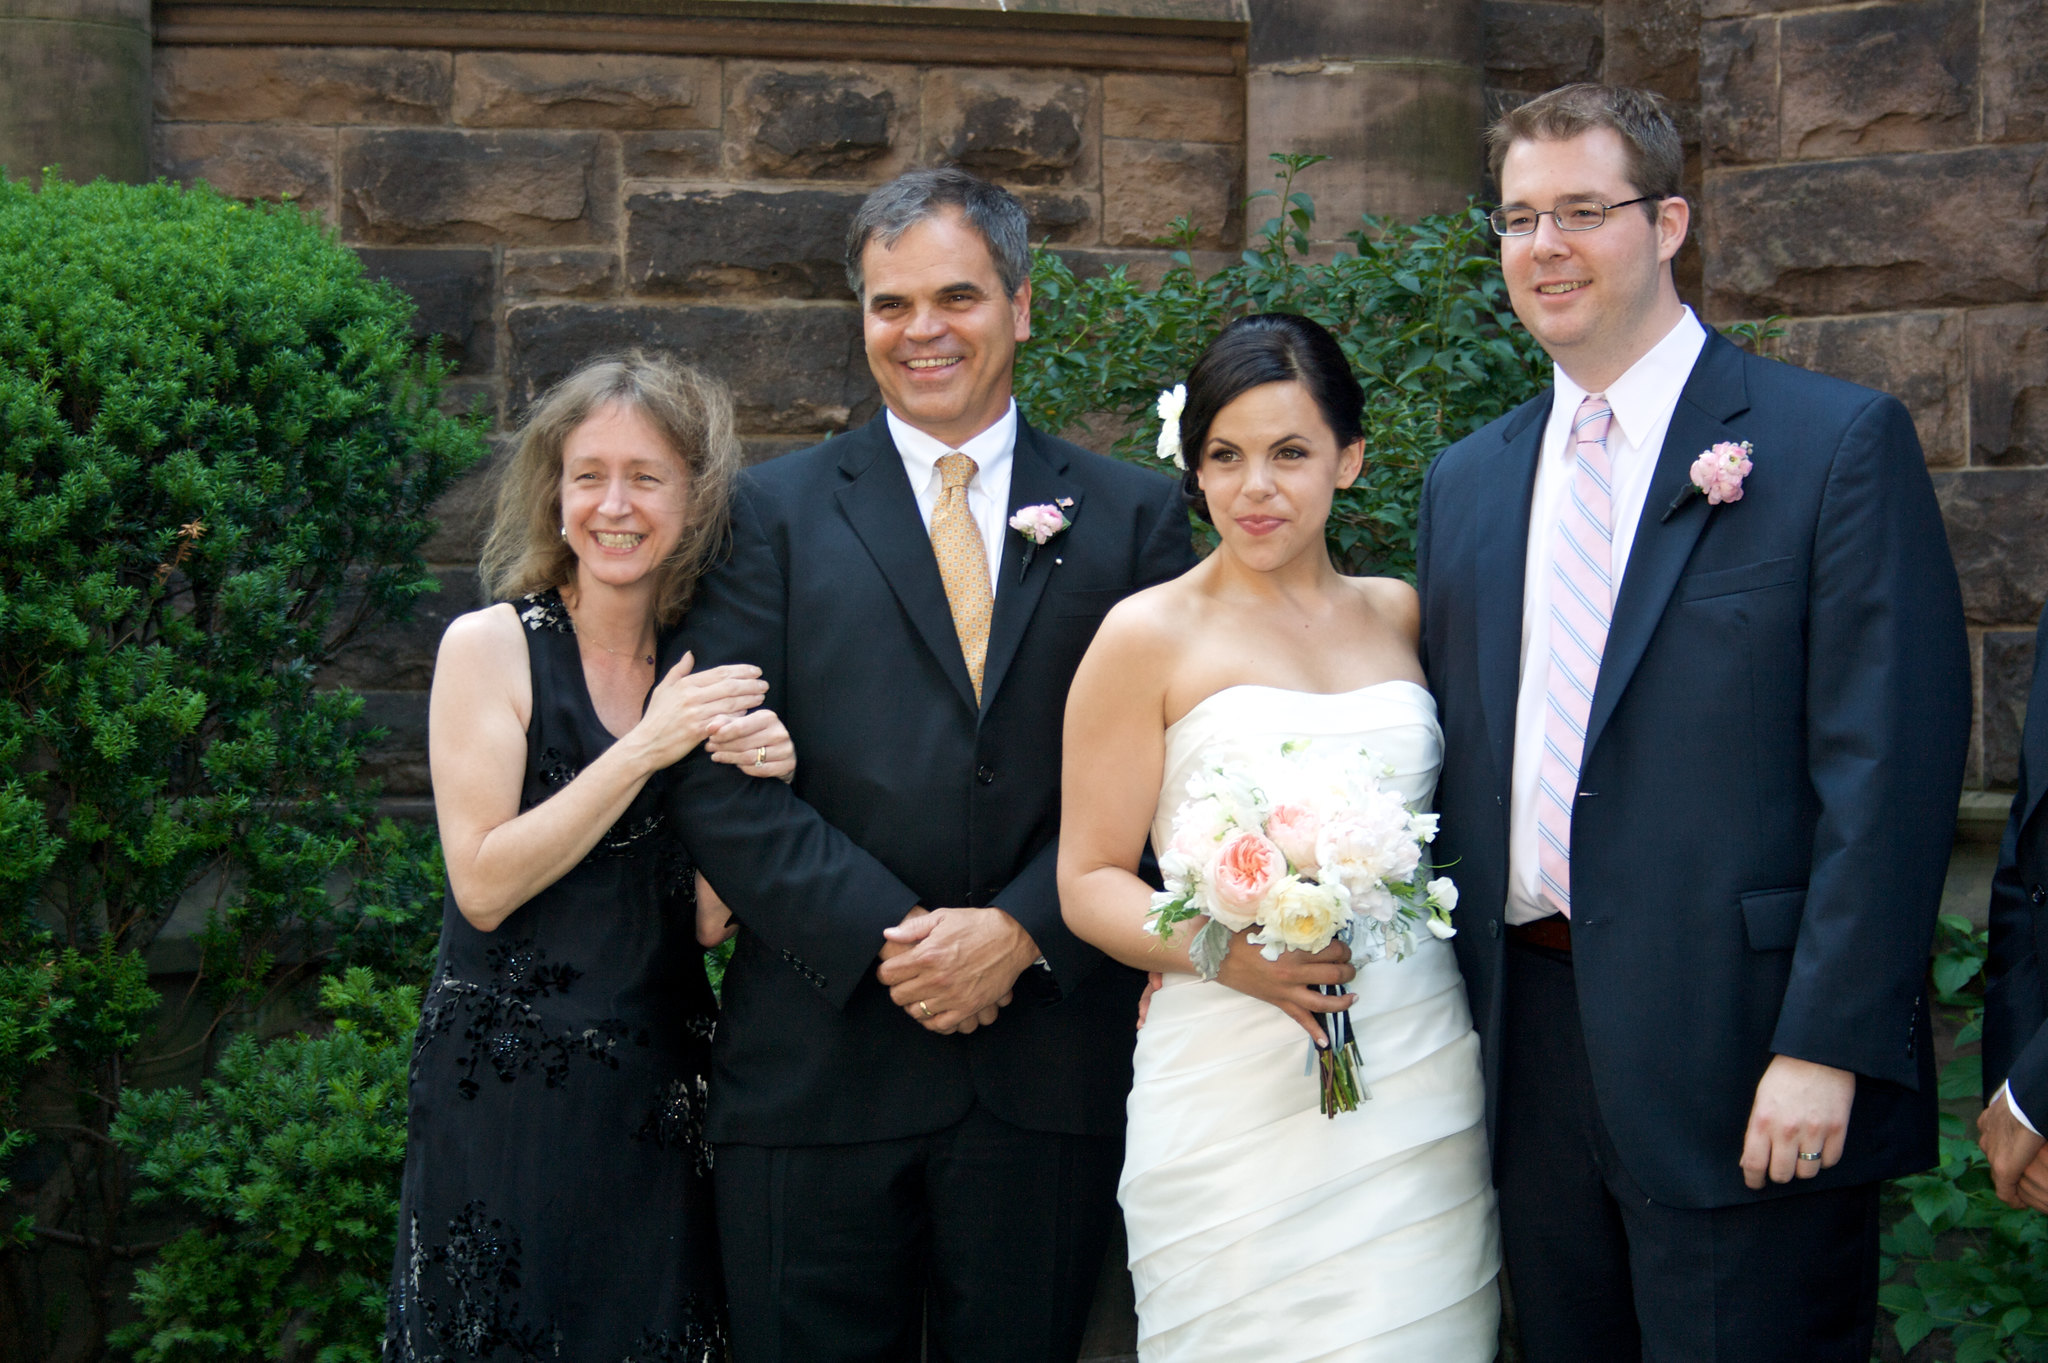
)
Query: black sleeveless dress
[{"x": 556, "y": 1202}]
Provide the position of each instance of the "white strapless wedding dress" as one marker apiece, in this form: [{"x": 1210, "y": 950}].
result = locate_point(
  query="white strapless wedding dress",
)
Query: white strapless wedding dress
[{"x": 1260, "y": 1230}]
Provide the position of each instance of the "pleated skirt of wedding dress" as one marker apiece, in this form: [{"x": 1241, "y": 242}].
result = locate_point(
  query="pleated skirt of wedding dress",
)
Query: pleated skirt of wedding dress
[{"x": 1262, "y": 1231}]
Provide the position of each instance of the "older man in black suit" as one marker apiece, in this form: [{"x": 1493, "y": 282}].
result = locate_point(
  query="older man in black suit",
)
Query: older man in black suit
[
  {"x": 919, "y": 1077},
  {"x": 2016, "y": 998}
]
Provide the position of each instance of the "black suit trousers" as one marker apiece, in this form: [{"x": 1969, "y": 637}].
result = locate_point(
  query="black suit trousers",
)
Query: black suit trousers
[
  {"x": 1602, "y": 1274},
  {"x": 988, "y": 1236}
]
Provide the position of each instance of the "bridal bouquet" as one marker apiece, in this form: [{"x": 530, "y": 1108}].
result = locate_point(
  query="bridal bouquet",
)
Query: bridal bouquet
[{"x": 1303, "y": 844}]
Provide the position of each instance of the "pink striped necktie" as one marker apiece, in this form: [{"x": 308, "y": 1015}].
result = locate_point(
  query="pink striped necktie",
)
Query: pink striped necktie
[{"x": 1581, "y": 604}]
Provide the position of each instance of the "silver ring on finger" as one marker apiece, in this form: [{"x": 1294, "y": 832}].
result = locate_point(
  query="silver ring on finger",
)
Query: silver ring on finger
[{"x": 1809, "y": 1156}]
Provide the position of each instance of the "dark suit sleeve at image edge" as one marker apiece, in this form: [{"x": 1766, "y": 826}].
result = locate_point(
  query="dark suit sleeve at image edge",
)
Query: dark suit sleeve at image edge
[
  {"x": 1888, "y": 710},
  {"x": 2015, "y": 1041},
  {"x": 791, "y": 878}
]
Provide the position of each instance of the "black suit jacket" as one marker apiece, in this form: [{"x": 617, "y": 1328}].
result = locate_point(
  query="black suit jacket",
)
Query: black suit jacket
[
  {"x": 1769, "y": 784},
  {"x": 906, "y": 792},
  {"x": 2015, "y": 1000}
]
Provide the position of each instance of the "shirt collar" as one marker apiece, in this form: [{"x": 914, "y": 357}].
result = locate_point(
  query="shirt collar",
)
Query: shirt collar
[
  {"x": 921, "y": 451},
  {"x": 1649, "y": 390}
]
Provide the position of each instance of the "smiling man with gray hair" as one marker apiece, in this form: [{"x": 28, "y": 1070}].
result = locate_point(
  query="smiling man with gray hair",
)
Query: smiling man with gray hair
[{"x": 917, "y": 1100}]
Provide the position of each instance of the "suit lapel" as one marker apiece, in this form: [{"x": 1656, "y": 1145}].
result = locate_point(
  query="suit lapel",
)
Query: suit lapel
[
  {"x": 1037, "y": 476},
  {"x": 878, "y": 503},
  {"x": 1713, "y": 394},
  {"x": 1503, "y": 535}
]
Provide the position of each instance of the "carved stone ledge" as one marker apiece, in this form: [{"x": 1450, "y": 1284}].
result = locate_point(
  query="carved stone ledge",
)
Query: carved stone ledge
[{"x": 1122, "y": 42}]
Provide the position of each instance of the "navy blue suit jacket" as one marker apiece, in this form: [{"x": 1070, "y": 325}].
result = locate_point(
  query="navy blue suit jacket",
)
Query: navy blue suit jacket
[
  {"x": 907, "y": 792},
  {"x": 2015, "y": 1000},
  {"x": 1768, "y": 790}
]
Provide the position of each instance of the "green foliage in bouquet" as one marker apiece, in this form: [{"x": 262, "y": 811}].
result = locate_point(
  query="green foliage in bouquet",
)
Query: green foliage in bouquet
[
  {"x": 1978, "y": 1268},
  {"x": 218, "y": 447},
  {"x": 1420, "y": 309},
  {"x": 291, "y": 1157}
]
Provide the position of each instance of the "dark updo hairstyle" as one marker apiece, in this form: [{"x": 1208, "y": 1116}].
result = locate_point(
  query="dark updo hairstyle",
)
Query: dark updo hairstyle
[{"x": 1270, "y": 347}]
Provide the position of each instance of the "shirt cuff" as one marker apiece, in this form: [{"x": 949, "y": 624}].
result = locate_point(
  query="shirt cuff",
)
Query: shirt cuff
[{"x": 2005, "y": 1091}]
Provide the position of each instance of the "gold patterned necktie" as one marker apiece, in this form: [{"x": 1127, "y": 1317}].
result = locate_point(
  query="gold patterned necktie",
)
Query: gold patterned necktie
[{"x": 963, "y": 563}]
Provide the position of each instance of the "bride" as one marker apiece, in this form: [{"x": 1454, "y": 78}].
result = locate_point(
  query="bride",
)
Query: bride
[{"x": 1260, "y": 1229}]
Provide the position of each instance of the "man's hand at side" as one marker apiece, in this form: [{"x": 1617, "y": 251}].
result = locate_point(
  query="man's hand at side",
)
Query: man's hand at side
[
  {"x": 1801, "y": 1108},
  {"x": 951, "y": 970},
  {"x": 2014, "y": 1152}
]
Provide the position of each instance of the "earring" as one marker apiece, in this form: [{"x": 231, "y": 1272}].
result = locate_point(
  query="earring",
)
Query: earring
[{"x": 563, "y": 532}]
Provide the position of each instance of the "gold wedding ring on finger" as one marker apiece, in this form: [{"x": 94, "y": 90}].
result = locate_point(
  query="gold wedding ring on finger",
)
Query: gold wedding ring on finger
[
  {"x": 924, "y": 1008},
  {"x": 760, "y": 756}
]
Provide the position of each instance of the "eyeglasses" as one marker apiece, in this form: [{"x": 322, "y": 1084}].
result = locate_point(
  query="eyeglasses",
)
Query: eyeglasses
[{"x": 1581, "y": 215}]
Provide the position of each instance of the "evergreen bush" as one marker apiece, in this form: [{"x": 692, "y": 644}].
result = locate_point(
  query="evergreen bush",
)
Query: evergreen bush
[
  {"x": 218, "y": 447},
  {"x": 291, "y": 1154},
  {"x": 1420, "y": 309}
]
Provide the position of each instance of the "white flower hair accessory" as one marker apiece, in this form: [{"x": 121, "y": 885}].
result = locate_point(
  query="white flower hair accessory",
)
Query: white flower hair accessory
[{"x": 1172, "y": 402}]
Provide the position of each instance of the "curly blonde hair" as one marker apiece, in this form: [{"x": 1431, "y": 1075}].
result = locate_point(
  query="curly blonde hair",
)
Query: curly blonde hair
[{"x": 524, "y": 551}]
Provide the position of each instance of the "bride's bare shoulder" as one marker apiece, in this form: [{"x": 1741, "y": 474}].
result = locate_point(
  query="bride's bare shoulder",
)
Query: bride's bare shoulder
[
  {"x": 1144, "y": 634},
  {"x": 1394, "y": 601}
]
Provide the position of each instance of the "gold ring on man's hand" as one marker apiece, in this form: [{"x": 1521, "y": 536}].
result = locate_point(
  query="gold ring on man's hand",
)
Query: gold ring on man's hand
[
  {"x": 760, "y": 756},
  {"x": 924, "y": 1008}
]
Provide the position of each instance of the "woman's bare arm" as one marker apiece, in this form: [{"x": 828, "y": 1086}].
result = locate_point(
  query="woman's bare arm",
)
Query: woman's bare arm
[
  {"x": 477, "y": 716},
  {"x": 1114, "y": 761}
]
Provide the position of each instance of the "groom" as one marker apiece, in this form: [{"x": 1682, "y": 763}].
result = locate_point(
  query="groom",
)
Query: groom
[
  {"x": 1702, "y": 758},
  {"x": 920, "y": 1073}
]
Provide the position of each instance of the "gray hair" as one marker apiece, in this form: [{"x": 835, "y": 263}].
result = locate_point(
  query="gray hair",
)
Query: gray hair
[{"x": 913, "y": 196}]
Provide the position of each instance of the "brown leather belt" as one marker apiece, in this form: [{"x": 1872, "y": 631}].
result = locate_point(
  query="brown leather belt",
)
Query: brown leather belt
[{"x": 1553, "y": 933}]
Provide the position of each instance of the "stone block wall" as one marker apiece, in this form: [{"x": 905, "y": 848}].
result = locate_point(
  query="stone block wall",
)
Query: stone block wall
[
  {"x": 542, "y": 207},
  {"x": 1877, "y": 176}
]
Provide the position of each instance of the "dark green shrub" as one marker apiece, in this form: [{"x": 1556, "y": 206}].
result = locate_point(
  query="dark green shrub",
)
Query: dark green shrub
[
  {"x": 218, "y": 448},
  {"x": 291, "y": 1154},
  {"x": 1419, "y": 308},
  {"x": 1979, "y": 1269}
]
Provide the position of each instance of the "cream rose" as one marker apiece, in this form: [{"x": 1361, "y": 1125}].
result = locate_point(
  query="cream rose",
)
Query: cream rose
[{"x": 1304, "y": 916}]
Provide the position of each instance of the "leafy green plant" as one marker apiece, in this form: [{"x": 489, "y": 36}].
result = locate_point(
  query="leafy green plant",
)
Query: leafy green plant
[
  {"x": 218, "y": 447},
  {"x": 1420, "y": 309},
  {"x": 1979, "y": 1269},
  {"x": 291, "y": 1155}
]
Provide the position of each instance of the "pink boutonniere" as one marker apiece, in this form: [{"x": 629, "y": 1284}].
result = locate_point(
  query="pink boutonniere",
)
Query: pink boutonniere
[
  {"x": 1719, "y": 471},
  {"x": 1716, "y": 475},
  {"x": 1037, "y": 524}
]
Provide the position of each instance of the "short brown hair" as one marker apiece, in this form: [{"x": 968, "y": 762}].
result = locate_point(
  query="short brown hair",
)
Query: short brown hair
[
  {"x": 525, "y": 552},
  {"x": 1642, "y": 119}
]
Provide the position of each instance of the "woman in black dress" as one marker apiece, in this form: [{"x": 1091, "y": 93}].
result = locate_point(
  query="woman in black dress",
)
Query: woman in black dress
[{"x": 555, "y": 1201}]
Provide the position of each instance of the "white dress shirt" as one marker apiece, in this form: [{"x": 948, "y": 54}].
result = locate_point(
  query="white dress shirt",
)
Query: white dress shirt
[
  {"x": 1643, "y": 400},
  {"x": 2005, "y": 1091},
  {"x": 988, "y": 493}
]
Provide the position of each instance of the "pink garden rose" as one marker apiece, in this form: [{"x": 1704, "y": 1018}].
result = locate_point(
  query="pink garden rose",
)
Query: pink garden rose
[
  {"x": 1293, "y": 829},
  {"x": 1246, "y": 868},
  {"x": 1720, "y": 471},
  {"x": 1039, "y": 523}
]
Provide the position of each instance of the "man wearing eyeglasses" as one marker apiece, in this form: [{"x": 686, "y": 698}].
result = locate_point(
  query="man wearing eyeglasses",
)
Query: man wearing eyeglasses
[{"x": 1696, "y": 639}]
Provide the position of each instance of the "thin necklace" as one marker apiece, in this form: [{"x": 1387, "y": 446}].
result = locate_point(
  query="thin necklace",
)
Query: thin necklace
[{"x": 647, "y": 658}]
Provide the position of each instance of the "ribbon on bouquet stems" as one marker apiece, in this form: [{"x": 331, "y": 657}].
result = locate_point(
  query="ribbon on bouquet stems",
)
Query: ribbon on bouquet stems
[{"x": 1339, "y": 1061}]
